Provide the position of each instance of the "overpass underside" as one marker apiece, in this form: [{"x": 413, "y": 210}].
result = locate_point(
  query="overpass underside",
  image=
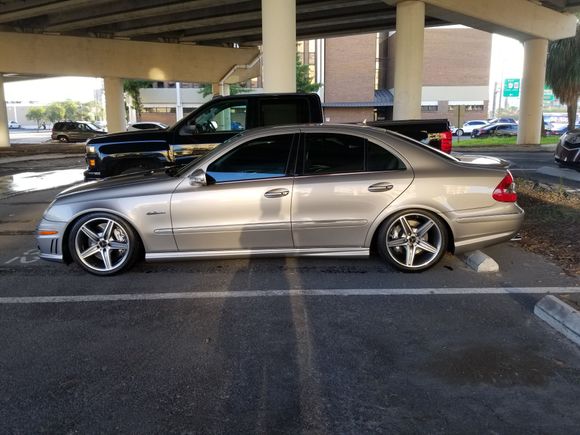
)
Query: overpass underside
[{"x": 219, "y": 41}]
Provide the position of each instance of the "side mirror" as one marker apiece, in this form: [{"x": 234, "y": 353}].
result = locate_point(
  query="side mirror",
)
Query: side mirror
[{"x": 198, "y": 178}]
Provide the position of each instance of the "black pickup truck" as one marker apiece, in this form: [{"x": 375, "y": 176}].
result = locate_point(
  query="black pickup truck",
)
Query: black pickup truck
[
  {"x": 203, "y": 129},
  {"x": 218, "y": 120}
]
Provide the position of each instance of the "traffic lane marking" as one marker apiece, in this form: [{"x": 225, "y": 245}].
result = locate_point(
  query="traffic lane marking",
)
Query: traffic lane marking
[{"x": 288, "y": 293}]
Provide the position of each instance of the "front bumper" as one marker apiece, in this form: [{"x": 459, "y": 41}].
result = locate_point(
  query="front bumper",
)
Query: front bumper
[{"x": 51, "y": 245}]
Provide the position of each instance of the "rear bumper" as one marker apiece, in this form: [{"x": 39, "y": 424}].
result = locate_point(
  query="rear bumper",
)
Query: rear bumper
[{"x": 474, "y": 231}]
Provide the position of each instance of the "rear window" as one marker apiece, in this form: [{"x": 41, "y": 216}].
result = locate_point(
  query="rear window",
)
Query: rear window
[{"x": 279, "y": 112}]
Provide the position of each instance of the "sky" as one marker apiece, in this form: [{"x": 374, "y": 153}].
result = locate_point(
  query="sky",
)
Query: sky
[
  {"x": 506, "y": 62},
  {"x": 53, "y": 89}
]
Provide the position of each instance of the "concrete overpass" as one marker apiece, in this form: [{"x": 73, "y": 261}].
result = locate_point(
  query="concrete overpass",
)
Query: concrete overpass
[{"x": 217, "y": 41}]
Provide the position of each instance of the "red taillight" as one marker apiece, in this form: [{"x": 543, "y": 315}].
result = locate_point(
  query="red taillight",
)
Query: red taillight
[
  {"x": 506, "y": 189},
  {"x": 446, "y": 141}
]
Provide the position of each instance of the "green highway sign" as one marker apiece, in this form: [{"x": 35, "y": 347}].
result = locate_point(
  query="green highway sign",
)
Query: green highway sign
[
  {"x": 548, "y": 94},
  {"x": 511, "y": 88}
]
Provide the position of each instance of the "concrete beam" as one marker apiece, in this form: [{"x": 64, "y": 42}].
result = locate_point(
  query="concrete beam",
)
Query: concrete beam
[
  {"x": 114, "y": 105},
  {"x": 520, "y": 19},
  {"x": 118, "y": 13},
  {"x": 28, "y": 11},
  {"x": 92, "y": 57}
]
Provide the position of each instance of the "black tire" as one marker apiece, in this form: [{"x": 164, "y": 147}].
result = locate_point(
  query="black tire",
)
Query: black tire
[
  {"x": 397, "y": 245},
  {"x": 105, "y": 254},
  {"x": 63, "y": 139},
  {"x": 459, "y": 132}
]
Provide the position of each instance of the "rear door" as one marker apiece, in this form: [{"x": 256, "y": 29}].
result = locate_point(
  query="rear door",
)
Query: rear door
[{"x": 343, "y": 184}]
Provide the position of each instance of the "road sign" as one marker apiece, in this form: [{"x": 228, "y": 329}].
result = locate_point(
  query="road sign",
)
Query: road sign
[
  {"x": 548, "y": 94},
  {"x": 511, "y": 88}
]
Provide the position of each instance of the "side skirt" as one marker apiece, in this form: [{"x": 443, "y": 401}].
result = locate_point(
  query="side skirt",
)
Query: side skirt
[{"x": 311, "y": 252}]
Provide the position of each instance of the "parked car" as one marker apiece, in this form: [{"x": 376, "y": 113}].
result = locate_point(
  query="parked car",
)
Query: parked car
[
  {"x": 469, "y": 126},
  {"x": 498, "y": 129},
  {"x": 301, "y": 190},
  {"x": 558, "y": 129},
  {"x": 75, "y": 131},
  {"x": 502, "y": 121},
  {"x": 14, "y": 124},
  {"x": 147, "y": 126},
  {"x": 568, "y": 150}
]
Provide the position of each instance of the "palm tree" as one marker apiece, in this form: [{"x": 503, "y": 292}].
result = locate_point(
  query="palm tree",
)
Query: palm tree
[{"x": 563, "y": 73}]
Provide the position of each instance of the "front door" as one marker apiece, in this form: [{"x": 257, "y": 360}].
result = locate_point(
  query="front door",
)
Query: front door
[{"x": 247, "y": 204}]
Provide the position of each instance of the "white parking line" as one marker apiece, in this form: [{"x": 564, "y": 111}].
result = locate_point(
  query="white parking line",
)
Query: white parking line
[{"x": 286, "y": 293}]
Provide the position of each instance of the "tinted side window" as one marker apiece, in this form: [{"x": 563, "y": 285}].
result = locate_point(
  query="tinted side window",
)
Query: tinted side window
[
  {"x": 379, "y": 159},
  {"x": 326, "y": 153},
  {"x": 266, "y": 157},
  {"x": 278, "y": 112},
  {"x": 223, "y": 116}
]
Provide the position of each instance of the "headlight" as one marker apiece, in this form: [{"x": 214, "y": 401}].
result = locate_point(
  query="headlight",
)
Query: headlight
[
  {"x": 90, "y": 149},
  {"x": 573, "y": 139}
]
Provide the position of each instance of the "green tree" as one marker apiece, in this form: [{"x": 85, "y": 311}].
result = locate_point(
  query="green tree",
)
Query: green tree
[
  {"x": 37, "y": 114},
  {"x": 54, "y": 112},
  {"x": 71, "y": 109},
  {"x": 303, "y": 81},
  {"x": 563, "y": 73},
  {"x": 133, "y": 89}
]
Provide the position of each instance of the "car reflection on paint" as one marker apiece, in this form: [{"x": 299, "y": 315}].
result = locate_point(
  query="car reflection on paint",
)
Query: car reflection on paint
[{"x": 305, "y": 190}]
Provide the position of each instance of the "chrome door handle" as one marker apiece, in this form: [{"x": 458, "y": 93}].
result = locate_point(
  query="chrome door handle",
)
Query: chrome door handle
[
  {"x": 276, "y": 193},
  {"x": 380, "y": 187}
]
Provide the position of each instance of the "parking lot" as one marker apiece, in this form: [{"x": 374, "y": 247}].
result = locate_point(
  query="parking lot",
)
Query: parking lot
[{"x": 271, "y": 345}]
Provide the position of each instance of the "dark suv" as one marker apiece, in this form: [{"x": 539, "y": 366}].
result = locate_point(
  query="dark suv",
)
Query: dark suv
[{"x": 75, "y": 131}]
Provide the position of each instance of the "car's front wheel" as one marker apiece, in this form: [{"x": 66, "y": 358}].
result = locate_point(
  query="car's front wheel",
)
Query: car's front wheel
[
  {"x": 103, "y": 244},
  {"x": 459, "y": 132},
  {"x": 412, "y": 240}
]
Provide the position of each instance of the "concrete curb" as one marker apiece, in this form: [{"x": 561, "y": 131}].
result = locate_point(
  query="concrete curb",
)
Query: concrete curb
[
  {"x": 559, "y": 316},
  {"x": 480, "y": 262}
]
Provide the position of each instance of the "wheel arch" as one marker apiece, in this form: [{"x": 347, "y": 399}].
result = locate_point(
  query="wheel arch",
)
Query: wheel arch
[
  {"x": 66, "y": 254},
  {"x": 372, "y": 235}
]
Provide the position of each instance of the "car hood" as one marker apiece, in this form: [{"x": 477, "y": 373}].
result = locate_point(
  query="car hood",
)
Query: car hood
[
  {"x": 129, "y": 136},
  {"x": 124, "y": 185}
]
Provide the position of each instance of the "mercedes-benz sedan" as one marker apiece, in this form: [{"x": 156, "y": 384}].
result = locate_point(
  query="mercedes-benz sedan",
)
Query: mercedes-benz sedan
[{"x": 315, "y": 190}]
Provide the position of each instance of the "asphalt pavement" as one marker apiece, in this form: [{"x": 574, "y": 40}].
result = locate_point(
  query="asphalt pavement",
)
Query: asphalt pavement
[{"x": 274, "y": 345}]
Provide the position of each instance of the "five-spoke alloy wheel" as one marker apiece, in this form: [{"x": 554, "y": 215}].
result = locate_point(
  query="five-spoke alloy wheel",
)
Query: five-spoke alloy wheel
[
  {"x": 103, "y": 244},
  {"x": 412, "y": 240}
]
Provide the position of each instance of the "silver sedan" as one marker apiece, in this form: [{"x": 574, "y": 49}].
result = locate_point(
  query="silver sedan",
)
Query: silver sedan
[{"x": 316, "y": 190}]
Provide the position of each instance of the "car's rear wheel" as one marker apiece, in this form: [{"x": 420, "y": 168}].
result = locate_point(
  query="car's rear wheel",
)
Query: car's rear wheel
[
  {"x": 63, "y": 139},
  {"x": 412, "y": 240},
  {"x": 459, "y": 132},
  {"x": 103, "y": 244}
]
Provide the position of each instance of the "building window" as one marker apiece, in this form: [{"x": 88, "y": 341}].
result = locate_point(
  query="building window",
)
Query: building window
[
  {"x": 429, "y": 108},
  {"x": 159, "y": 109},
  {"x": 474, "y": 108}
]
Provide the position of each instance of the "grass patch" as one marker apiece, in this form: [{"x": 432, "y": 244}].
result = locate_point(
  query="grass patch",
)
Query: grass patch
[
  {"x": 551, "y": 224},
  {"x": 498, "y": 141}
]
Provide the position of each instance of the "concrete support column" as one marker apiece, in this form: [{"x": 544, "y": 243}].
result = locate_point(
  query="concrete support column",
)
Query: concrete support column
[
  {"x": 532, "y": 91},
  {"x": 409, "y": 59},
  {"x": 115, "y": 104},
  {"x": 4, "y": 134},
  {"x": 279, "y": 45}
]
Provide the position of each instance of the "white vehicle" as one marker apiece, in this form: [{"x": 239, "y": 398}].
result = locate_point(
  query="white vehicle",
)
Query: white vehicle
[
  {"x": 146, "y": 126},
  {"x": 14, "y": 124},
  {"x": 469, "y": 126}
]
